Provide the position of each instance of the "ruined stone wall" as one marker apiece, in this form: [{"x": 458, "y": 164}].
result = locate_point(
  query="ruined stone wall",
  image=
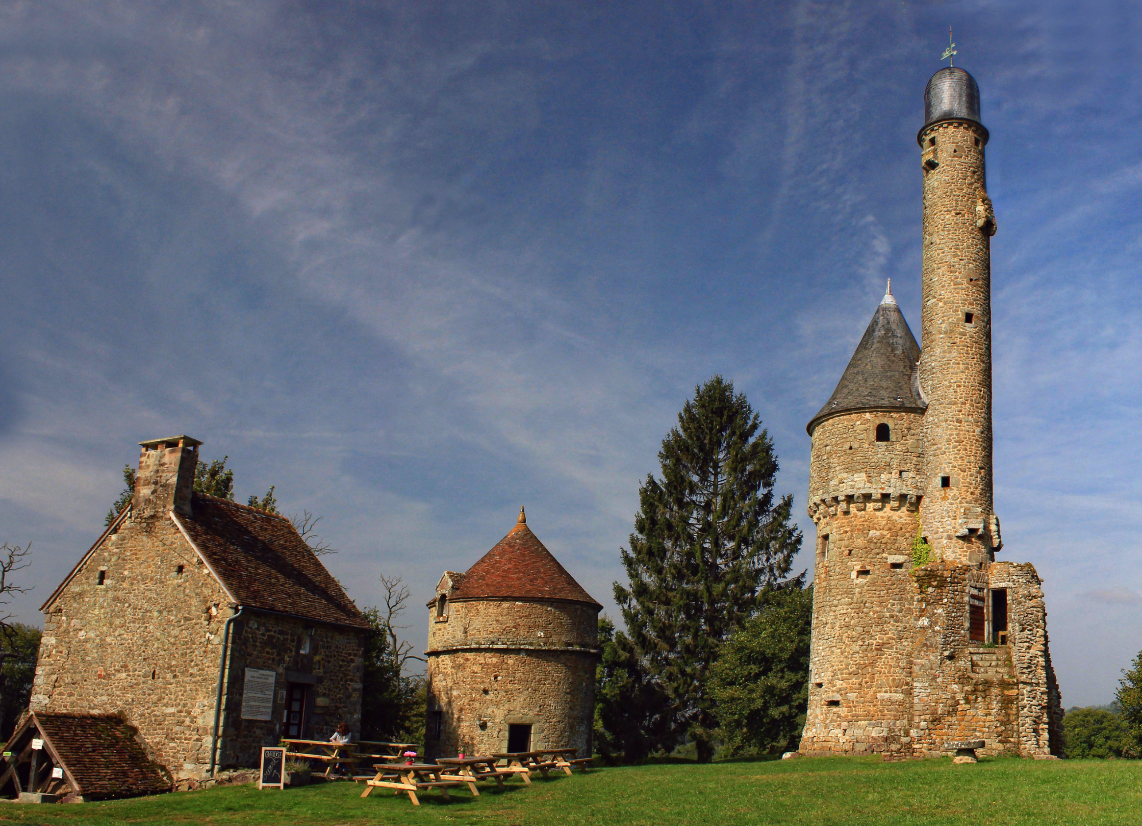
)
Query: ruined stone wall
[
  {"x": 492, "y": 663},
  {"x": 955, "y": 366},
  {"x": 962, "y": 690},
  {"x": 145, "y": 644},
  {"x": 1040, "y": 704},
  {"x": 864, "y": 498},
  {"x": 327, "y": 659}
]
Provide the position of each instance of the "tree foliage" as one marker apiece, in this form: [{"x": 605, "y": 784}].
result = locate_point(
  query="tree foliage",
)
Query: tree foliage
[
  {"x": 761, "y": 679},
  {"x": 19, "y": 650},
  {"x": 19, "y": 643},
  {"x": 631, "y": 710},
  {"x": 1095, "y": 732},
  {"x": 708, "y": 537},
  {"x": 393, "y": 702},
  {"x": 1129, "y": 698}
]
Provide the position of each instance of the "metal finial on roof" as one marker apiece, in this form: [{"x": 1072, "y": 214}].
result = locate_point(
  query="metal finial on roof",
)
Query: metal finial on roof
[
  {"x": 949, "y": 52},
  {"x": 888, "y": 299},
  {"x": 522, "y": 516}
]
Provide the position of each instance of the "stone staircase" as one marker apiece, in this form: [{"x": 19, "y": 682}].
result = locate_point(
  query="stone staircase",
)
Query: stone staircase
[{"x": 992, "y": 663}]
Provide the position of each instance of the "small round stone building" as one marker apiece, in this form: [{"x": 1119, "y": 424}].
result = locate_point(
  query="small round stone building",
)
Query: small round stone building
[{"x": 512, "y": 648}]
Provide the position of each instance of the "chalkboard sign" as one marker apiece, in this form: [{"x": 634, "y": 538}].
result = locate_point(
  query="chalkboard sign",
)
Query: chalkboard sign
[{"x": 273, "y": 769}]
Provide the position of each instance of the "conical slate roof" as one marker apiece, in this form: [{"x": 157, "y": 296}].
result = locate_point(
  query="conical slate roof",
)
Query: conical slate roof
[
  {"x": 519, "y": 567},
  {"x": 882, "y": 374}
]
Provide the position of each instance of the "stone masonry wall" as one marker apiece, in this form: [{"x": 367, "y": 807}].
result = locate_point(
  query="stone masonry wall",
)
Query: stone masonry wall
[
  {"x": 863, "y": 496},
  {"x": 146, "y": 643},
  {"x": 332, "y": 669},
  {"x": 955, "y": 366},
  {"x": 496, "y": 662}
]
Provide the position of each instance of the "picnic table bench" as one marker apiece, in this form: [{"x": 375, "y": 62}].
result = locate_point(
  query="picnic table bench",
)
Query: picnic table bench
[
  {"x": 409, "y": 779},
  {"x": 538, "y": 760},
  {"x": 333, "y": 755},
  {"x": 472, "y": 769}
]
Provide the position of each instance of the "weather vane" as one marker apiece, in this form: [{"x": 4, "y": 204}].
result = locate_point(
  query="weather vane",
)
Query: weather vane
[{"x": 951, "y": 50}]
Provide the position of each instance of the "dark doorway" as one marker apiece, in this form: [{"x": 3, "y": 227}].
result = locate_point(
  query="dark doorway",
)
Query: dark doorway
[
  {"x": 999, "y": 616},
  {"x": 295, "y": 710},
  {"x": 519, "y": 737}
]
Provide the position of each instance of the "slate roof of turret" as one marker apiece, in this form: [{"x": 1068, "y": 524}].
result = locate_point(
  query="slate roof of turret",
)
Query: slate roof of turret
[
  {"x": 519, "y": 567},
  {"x": 882, "y": 374}
]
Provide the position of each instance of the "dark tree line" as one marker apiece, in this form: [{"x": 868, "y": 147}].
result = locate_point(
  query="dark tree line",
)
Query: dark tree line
[{"x": 709, "y": 609}]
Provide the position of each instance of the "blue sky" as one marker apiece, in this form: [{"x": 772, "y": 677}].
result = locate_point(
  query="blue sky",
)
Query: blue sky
[{"x": 417, "y": 264}]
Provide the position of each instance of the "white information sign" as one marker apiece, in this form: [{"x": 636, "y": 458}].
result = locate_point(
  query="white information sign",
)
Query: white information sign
[
  {"x": 37, "y": 744},
  {"x": 258, "y": 695},
  {"x": 57, "y": 773}
]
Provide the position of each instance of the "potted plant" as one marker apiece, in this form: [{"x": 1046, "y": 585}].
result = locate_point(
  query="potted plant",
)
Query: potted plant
[
  {"x": 409, "y": 757},
  {"x": 298, "y": 772}
]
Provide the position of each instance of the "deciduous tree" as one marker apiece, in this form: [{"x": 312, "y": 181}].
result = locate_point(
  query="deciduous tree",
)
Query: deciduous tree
[
  {"x": 1130, "y": 700},
  {"x": 709, "y": 535},
  {"x": 761, "y": 679}
]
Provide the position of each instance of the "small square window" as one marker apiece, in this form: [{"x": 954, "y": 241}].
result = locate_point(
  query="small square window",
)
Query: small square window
[
  {"x": 896, "y": 566},
  {"x": 945, "y": 481},
  {"x": 179, "y": 569},
  {"x": 969, "y": 318},
  {"x": 832, "y": 702}
]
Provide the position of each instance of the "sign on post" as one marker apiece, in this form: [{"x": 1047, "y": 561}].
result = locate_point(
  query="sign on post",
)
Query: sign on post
[
  {"x": 258, "y": 695},
  {"x": 272, "y": 775}
]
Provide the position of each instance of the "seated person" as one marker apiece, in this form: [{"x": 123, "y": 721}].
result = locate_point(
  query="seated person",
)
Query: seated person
[{"x": 342, "y": 734}]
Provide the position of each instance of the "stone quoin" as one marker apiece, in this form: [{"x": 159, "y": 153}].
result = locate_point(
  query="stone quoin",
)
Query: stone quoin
[
  {"x": 920, "y": 637},
  {"x": 512, "y": 649}
]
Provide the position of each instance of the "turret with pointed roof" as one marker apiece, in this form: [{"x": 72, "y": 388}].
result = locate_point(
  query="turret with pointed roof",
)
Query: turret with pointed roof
[
  {"x": 883, "y": 372},
  {"x": 511, "y": 653}
]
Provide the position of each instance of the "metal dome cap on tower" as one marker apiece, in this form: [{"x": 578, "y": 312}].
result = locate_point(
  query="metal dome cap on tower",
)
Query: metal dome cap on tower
[{"x": 951, "y": 94}]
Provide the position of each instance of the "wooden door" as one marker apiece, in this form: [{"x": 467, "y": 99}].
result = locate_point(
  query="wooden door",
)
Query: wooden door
[{"x": 295, "y": 710}]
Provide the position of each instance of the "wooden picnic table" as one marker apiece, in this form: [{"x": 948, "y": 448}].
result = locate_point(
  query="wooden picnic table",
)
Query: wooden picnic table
[
  {"x": 542, "y": 760},
  {"x": 324, "y": 751},
  {"x": 472, "y": 769},
  {"x": 410, "y": 779},
  {"x": 379, "y": 750}
]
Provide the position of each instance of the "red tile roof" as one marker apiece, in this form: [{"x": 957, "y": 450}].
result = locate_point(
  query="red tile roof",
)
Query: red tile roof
[
  {"x": 264, "y": 562},
  {"x": 519, "y": 567},
  {"x": 103, "y": 755}
]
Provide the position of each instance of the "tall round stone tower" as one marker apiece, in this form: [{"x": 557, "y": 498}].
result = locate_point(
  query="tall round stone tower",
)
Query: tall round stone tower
[
  {"x": 919, "y": 645},
  {"x": 955, "y": 370},
  {"x": 512, "y": 647},
  {"x": 865, "y": 483}
]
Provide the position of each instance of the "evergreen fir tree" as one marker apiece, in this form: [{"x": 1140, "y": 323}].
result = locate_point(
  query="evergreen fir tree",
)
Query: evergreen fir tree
[{"x": 708, "y": 537}]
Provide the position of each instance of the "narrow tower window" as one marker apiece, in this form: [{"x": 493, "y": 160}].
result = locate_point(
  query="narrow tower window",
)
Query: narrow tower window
[
  {"x": 102, "y": 576},
  {"x": 883, "y": 433},
  {"x": 945, "y": 481},
  {"x": 968, "y": 318},
  {"x": 441, "y": 604}
]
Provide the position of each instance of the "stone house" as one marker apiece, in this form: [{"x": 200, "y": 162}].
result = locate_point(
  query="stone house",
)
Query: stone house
[
  {"x": 209, "y": 626},
  {"x": 921, "y": 637},
  {"x": 512, "y": 648}
]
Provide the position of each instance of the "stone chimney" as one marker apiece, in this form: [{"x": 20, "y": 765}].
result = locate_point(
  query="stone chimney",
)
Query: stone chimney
[{"x": 166, "y": 476}]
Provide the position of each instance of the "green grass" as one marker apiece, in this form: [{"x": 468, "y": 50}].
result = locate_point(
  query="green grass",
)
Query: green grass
[{"x": 803, "y": 791}]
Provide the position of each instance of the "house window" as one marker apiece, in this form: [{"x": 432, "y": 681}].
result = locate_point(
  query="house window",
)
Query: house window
[
  {"x": 519, "y": 737},
  {"x": 436, "y": 724},
  {"x": 883, "y": 433},
  {"x": 306, "y": 643},
  {"x": 100, "y": 579},
  {"x": 896, "y": 566}
]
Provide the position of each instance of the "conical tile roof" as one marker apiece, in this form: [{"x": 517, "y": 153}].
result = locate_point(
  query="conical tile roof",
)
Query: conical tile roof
[
  {"x": 882, "y": 374},
  {"x": 519, "y": 567}
]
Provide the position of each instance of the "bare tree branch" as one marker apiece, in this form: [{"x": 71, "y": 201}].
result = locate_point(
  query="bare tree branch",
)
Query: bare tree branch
[
  {"x": 396, "y": 595},
  {"x": 306, "y": 525},
  {"x": 12, "y": 558}
]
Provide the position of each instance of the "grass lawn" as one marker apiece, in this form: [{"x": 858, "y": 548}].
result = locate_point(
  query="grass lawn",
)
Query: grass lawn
[{"x": 802, "y": 791}]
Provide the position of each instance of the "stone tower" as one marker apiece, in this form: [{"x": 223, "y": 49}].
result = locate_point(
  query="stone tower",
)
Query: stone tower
[
  {"x": 512, "y": 647},
  {"x": 955, "y": 369},
  {"x": 920, "y": 638}
]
